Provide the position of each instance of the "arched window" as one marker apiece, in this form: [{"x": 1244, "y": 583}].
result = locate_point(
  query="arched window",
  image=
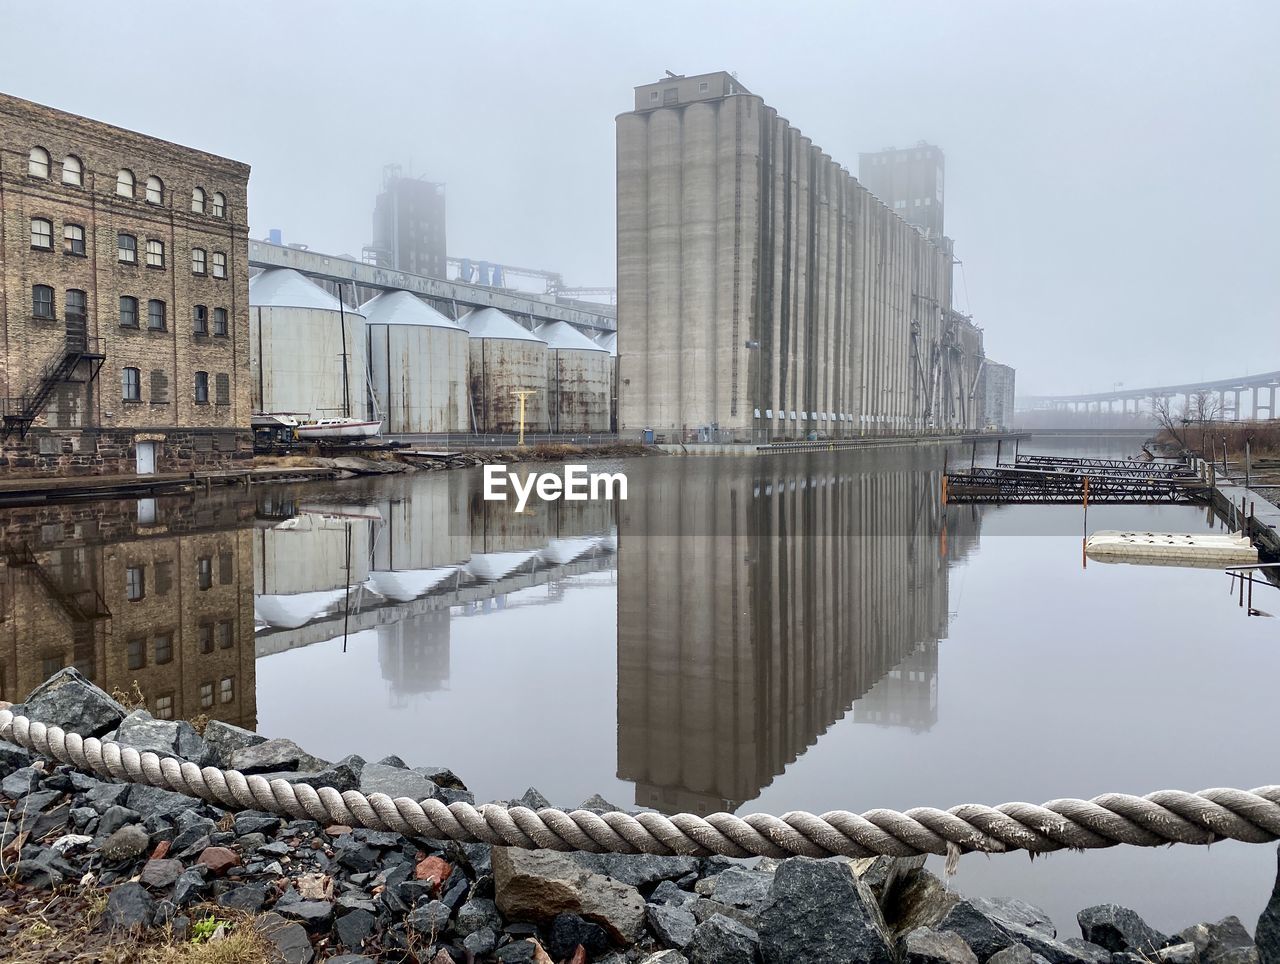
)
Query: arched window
[
  {"x": 72, "y": 171},
  {"x": 197, "y": 260},
  {"x": 128, "y": 248},
  {"x": 197, "y": 201},
  {"x": 42, "y": 302},
  {"x": 42, "y": 234},
  {"x": 38, "y": 162},
  {"x": 219, "y": 205},
  {"x": 155, "y": 190},
  {"x": 125, "y": 183}
]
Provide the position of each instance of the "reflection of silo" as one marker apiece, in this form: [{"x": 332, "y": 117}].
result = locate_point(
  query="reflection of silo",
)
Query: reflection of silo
[
  {"x": 298, "y": 337},
  {"x": 418, "y": 365},
  {"x": 302, "y": 568},
  {"x": 498, "y": 527},
  {"x": 505, "y": 358},
  {"x": 413, "y": 654},
  {"x": 579, "y": 379},
  {"x": 609, "y": 343},
  {"x": 427, "y": 529}
]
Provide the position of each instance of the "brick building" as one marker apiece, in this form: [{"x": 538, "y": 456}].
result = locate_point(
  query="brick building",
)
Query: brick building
[{"x": 124, "y": 309}]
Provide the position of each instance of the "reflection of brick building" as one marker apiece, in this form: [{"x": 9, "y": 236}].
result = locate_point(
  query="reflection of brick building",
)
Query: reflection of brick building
[
  {"x": 165, "y": 603},
  {"x": 752, "y": 616}
]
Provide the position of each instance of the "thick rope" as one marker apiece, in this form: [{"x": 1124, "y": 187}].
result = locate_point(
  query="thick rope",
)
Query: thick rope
[{"x": 1164, "y": 817}]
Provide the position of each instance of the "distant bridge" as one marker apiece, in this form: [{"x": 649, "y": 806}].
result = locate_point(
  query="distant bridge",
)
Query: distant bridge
[{"x": 1228, "y": 392}]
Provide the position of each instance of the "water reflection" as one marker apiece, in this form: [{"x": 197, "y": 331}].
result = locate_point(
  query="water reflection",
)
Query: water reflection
[
  {"x": 824, "y": 590},
  {"x": 146, "y": 596}
]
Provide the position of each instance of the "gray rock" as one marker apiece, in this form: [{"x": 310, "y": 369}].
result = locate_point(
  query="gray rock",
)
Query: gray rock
[
  {"x": 481, "y": 942},
  {"x": 638, "y": 870},
  {"x": 538, "y": 885},
  {"x": 271, "y": 755},
  {"x": 567, "y": 931},
  {"x": 1119, "y": 929},
  {"x": 393, "y": 761},
  {"x": 819, "y": 911},
  {"x": 979, "y": 932},
  {"x": 672, "y": 925},
  {"x": 1088, "y": 951},
  {"x": 669, "y": 892},
  {"x": 532, "y": 799},
  {"x": 442, "y": 777},
  {"x": 1268, "y": 929},
  {"x": 224, "y": 739},
  {"x": 354, "y": 928},
  {"x": 190, "y": 886},
  {"x": 884, "y": 875},
  {"x": 176, "y": 738},
  {"x": 73, "y": 703},
  {"x": 129, "y": 907},
  {"x": 1184, "y": 953},
  {"x": 1013, "y": 954},
  {"x": 476, "y": 914},
  {"x": 598, "y": 804},
  {"x": 127, "y": 843},
  {"x": 739, "y": 887},
  {"x": 1010, "y": 910},
  {"x": 115, "y": 817},
  {"x": 39, "y": 874},
  {"x": 923, "y": 946},
  {"x": 665, "y": 957},
  {"x": 290, "y": 939},
  {"x": 256, "y": 821},
  {"x": 20, "y": 782},
  {"x": 12, "y": 757},
  {"x": 250, "y": 898},
  {"x": 153, "y": 801},
  {"x": 312, "y": 913},
  {"x": 161, "y": 874},
  {"x": 430, "y": 920},
  {"x": 1226, "y": 942},
  {"x": 720, "y": 940},
  {"x": 394, "y": 782},
  {"x": 703, "y": 909}
]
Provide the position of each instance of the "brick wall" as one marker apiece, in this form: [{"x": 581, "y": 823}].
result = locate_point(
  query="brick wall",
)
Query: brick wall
[{"x": 167, "y": 358}]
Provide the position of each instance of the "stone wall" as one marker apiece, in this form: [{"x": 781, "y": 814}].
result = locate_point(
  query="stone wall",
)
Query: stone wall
[{"x": 50, "y": 453}]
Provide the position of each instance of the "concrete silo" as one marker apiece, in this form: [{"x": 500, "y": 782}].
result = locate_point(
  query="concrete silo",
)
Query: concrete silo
[
  {"x": 302, "y": 343},
  {"x": 609, "y": 343},
  {"x": 505, "y": 358},
  {"x": 418, "y": 362},
  {"x": 579, "y": 379}
]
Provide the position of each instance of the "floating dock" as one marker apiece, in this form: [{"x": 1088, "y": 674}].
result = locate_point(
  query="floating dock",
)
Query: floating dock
[{"x": 1196, "y": 550}]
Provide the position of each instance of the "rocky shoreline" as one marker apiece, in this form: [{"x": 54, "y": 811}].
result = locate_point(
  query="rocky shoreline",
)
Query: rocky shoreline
[{"x": 185, "y": 874}]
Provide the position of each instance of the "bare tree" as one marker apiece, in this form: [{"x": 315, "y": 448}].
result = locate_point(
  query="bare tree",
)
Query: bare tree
[{"x": 1169, "y": 421}]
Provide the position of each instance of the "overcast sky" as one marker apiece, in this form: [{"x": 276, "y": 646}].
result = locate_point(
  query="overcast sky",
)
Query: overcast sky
[{"x": 1111, "y": 166}]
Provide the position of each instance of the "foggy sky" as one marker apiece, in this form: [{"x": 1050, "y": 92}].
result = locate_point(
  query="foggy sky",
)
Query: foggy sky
[{"x": 1111, "y": 166}]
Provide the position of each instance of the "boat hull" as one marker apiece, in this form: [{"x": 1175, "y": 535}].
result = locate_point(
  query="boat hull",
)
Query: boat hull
[{"x": 345, "y": 430}]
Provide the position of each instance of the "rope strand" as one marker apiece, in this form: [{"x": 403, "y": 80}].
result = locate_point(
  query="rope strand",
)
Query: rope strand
[{"x": 1160, "y": 818}]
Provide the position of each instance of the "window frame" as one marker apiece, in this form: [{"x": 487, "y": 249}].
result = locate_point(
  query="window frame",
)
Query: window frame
[
  {"x": 220, "y": 321},
  {"x": 69, "y": 241},
  {"x": 219, "y": 204},
  {"x": 167, "y": 651},
  {"x": 163, "y": 315},
  {"x": 133, "y": 303},
  {"x": 124, "y": 384},
  {"x": 41, "y": 247},
  {"x": 226, "y": 690},
  {"x": 72, "y": 165},
  {"x": 219, "y": 266},
  {"x": 125, "y": 176},
  {"x": 121, "y": 249},
  {"x": 135, "y": 591},
  {"x": 200, "y": 392},
  {"x": 155, "y": 187},
  {"x": 206, "y": 695},
  {"x": 198, "y": 200},
  {"x": 200, "y": 323},
  {"x": 53, "y": 307},
  {"x": 201, "y": 261},
  {"x": 159, "y": 250},
  {"x": 75, "y": 309},
  {"x": 39, "y": 156}
]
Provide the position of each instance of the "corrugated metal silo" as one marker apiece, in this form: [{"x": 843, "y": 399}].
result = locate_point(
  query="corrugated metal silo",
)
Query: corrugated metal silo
[
  {"x": 298, "y": 341},
  {"x": 505, "y": 358},
  {"x": 609, "y": 343},
  {"x": 579, "y": 378},
  {"x": 418, "y": 361}
]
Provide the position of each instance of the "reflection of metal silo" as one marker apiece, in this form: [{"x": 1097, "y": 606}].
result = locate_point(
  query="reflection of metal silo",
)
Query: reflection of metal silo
[
  {"x": 298, "y": 341},
  {"x": 579, "y": 379},
  {"x": 609, "y": 343},
  {"x": 505, "y": 358},
  {"x": 418, "y": 365},
  {"x": 302, "y": 567},
  {"x": 413, "y": 654}
]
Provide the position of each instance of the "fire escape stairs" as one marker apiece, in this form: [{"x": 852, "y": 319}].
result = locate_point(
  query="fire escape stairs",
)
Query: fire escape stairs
[
  {"x": 80, "y": 607},
  {"x": 21, "y": 411}
]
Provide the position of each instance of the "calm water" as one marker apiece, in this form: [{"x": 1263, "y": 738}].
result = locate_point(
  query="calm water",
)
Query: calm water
[{"x": 813, "y": 632}]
